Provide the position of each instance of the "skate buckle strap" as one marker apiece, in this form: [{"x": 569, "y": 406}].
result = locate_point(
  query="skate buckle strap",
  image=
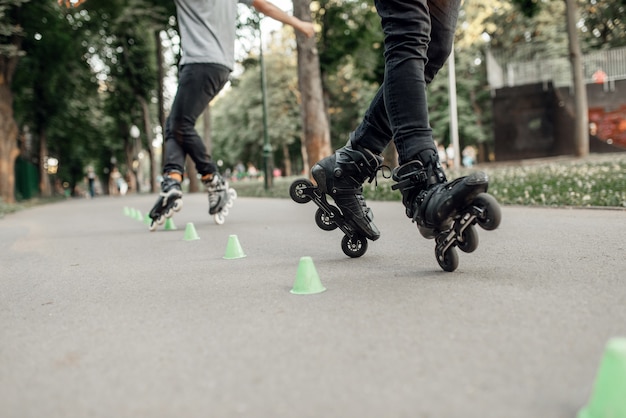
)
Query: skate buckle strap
[{"x": 412, "y": 179}]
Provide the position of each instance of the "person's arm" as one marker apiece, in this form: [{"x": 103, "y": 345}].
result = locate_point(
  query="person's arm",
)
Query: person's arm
[{"x": 270, "y": 10}]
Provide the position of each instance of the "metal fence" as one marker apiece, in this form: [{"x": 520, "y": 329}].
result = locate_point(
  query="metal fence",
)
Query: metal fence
[{"x": 598, "y": 67}]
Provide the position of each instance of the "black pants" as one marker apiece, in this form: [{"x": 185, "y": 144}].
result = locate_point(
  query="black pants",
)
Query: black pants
[
  {"x": 418, "y": 40},
  {"x": 198, "y": 84}
]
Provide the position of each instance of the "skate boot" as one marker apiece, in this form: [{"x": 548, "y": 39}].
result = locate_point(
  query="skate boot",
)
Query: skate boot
[
  {"x": 221, "y": 197},
  {"x": 342, "y": 176},
  {"x": 446, "y": 211},
  {"x": 169, "y": 201}
]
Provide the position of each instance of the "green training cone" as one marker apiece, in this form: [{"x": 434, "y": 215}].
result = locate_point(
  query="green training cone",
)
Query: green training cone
[
  {"x": 126, "y": 211},
  {"x": 147, "y": 219},
  {"x": 138, "y": 215},
  {"x": 608, "y": 399},
  {"x": 307, "y": 280},
  {"x": 190, "y": 232},
  {"x": 233, "y": 248},
  {"x": 169, "y": 225}
]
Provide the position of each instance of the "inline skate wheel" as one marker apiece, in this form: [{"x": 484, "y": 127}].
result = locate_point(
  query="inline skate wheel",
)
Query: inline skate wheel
[
  {"x": 232, "y": 195},
  {"x": 160, "y": 220},
  {"x": 178, "y": 205},
  {"x": 491, "y": 213},
  {"x": 225, "y": 211},
  {"x": 325, "y": 221},
  {"x": 449, "y": 260},
  {"x": 354, "y": 247},
  {"x": 153, "y": 226},
  {"x": 219, "y": 218},
  {"x": 468, "y": 240},
  {"x": 296, "y": 190}
]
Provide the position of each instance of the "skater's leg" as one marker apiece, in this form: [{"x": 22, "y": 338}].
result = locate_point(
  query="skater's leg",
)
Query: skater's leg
[
  {"x": 443, "y": 18},
  {"x": 415, "y": 33},
  {"x": 375, "y": 131},
  {"x": 399, "y": 109},
  {"x": 342, "y": 174},
  {"x": 198, "y": 85},
  {"x": 406, "y": 27}
]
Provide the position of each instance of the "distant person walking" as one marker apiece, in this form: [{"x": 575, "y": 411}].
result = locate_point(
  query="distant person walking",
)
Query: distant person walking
[{"x": 91, "y": 182}]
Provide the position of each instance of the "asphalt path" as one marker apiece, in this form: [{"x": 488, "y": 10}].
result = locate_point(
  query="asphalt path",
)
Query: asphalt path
[{"x": 101, "y": 318}]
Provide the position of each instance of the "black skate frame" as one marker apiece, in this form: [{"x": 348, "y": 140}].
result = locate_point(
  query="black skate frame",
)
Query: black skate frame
[
  {"x": 454, "y": 235},
  {"x": 354, "y": 243},
  {"x": 319, "y": 198}
]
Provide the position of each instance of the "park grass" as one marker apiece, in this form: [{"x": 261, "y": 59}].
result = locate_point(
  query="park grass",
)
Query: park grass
[{"x": 595, "y": 181}]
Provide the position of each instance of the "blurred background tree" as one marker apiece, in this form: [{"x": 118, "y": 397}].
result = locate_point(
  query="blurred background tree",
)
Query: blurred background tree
[{"x": 90, "y": 85}]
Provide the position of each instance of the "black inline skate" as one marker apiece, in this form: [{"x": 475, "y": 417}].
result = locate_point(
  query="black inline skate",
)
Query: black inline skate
[
  {"x": 341, "y": 176},
  {"x": 221, "y": 198},
  {"x": 447, "y": 211},
  {"x": 169, "y": 201}
]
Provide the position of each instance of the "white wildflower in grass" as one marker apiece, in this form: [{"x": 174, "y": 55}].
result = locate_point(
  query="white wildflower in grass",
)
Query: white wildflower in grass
[{"x": 598, "y": 181}]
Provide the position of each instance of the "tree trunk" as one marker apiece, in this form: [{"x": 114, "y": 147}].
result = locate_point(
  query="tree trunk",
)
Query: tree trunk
[
  {"x": 161, "y": 104},
  {"x": 44, "y": 179},
  {"x": 286, "y": 160},
  {"x": 8, "y": 143},
  {"x": 192, "y": 175},
  {"x": 316, "y": 137},
  {"x": 130, "y": 148},
  {"x": 581, "y": 129},
  {"x": 8, "y": 128},
  {"x": 147, "y": 127}
]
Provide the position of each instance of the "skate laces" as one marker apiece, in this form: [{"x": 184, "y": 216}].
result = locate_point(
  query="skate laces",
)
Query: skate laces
[{"x": 385, "y": 172}]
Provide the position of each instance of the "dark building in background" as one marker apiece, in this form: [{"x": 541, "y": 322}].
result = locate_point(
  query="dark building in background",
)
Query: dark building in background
[{"x": 533, "y": 106}]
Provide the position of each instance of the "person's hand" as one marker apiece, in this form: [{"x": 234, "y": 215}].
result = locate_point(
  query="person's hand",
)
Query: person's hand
[
  {"x": 70, "y": 3},
  {"x": 307, "y": 28}
]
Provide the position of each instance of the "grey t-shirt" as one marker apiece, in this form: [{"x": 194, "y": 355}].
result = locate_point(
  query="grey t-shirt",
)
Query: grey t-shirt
[{"x": 207, "y": 30}]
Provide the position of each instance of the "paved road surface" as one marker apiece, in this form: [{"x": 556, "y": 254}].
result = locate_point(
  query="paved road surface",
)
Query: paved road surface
[{"x": 101, "y": 318}]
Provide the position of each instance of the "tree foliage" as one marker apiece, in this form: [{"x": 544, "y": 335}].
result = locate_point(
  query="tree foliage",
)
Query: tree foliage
[
  {"x": 602, "y": 24},
  {"x": 86, "y": 74},
  {"x": 52, "y": 87},
  {"x": 237, "y": 116}
]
